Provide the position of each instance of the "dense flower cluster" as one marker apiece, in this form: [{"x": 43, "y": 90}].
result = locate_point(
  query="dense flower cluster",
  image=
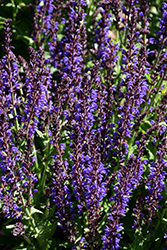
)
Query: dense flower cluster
[
  {"x": 84, "y": 123},
  {"x": 17, "y": 177}
]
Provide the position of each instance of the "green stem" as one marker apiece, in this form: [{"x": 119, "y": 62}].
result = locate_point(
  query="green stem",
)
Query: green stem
[
  {"x": 43, "y": 177},
  {"x": 30, "y": 216},
  {"x": 36, "y": 162},
  {"x": 157, "y": 58},
  {"x": 46, "y": 210},
  {"x": 156, "y": 227},
  {"x": 158, "y": 89},
  {"x": 27, "y": 240},
  {"x": 14, "y": 109},
  {"x": 14, "y": 10},
  {"x": 42, "y": 184}
]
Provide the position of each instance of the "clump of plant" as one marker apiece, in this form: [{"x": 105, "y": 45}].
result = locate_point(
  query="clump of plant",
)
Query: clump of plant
[{"x": 83, "y": 128}]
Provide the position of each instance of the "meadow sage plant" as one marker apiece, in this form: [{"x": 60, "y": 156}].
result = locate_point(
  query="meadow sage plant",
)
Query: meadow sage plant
[{"x": 83, "y": 127}]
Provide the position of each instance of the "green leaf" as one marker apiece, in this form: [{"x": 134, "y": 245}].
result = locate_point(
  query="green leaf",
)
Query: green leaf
[
  {"x": 151, "y": 155},
  {"x": 132, "y": 149},
  {"x": 148, "y": 77},
  {"x": 154, "y": 10},
  {"x": 40, "y": 134},
  {"x": 10, "y": 226},
  {"x": 46, "y": 233},
  {"x": 1, "y": 204},
  {"x": 165, "y": 88},
  {"x": 2, "y": 18},
  {"x": 51, "y": 212},
  {"x": 33, "y": 210},
  {"x": 102, "y": 223},
  {"x": 86, "y": 230},
  {"x": 10, "y": 116},
  {"x": 164, "y": 220},
  {"x": 59, "y": 37},
  {"x": 9, "y": 5},
  {"x": 30, "y": 40},
  {"x": 152, "y": 150}
]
